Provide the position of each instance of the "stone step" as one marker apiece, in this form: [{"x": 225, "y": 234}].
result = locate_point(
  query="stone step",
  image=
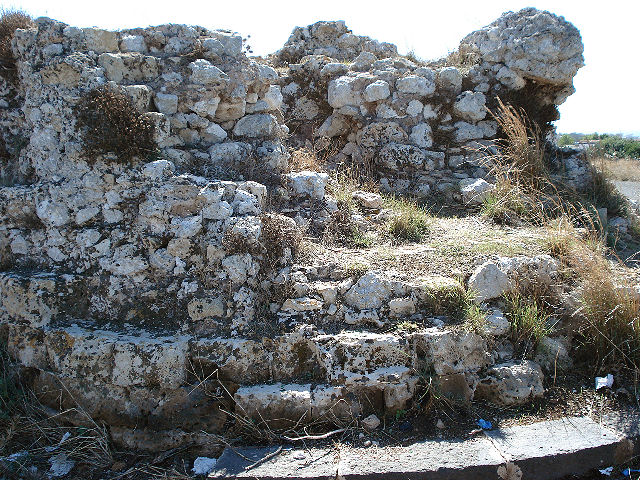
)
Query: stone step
[
  {"x": 38, "y": 298},
  {"x": 567, "y": 447},
  {"x": 135, "y": 357}
]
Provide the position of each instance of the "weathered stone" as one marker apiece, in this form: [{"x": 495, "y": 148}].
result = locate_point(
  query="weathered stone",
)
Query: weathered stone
[
  {"x": 370, "y": 291},
  {"x": 311, "y": 184},
  {"x": 470, "y": 106},
  {"x": 537, "y": 45},
  {"x": 511, "y": 383},
  {"x": 475, "y": 190},
  {"x": 258, "y": 125},
  {"x": 367, "y": 199},
  {"x": 378, "y": 90}
]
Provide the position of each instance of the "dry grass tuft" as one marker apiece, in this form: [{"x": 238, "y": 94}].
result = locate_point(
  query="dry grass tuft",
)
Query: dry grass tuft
[
  {"x": 110, "y": 123},
  {"x": 622, "y": 169},
  {"x": 10, "y": 21},
  {"x": 38, "y": 433},
  {"x": 525, "y": 191},
  {"x": 306, "y": 159},
  {"x": 342, "y": 230},
  {"x": 522, "y": 152},
  {"x": 607, "y": 322}
]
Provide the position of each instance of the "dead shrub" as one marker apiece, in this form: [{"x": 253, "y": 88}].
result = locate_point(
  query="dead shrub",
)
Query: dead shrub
[
  {"x": 110, "y": 123},
  {"x": 280, "y": 236},
  {"x": 306, "y": 159},
  {"x": 342, "y": 230},
  {"x": 10, "y": 21}
]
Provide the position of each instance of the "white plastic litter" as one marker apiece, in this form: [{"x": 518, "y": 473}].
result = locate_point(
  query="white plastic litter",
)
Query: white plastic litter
[
  {"x": 602, "y": 382},
  {"x": 60, "y": 465},
  {"x": 607, "y": 471},
  {"x": 204, "y": 465}
]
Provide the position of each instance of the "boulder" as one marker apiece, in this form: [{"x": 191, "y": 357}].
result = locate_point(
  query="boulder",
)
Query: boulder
[{"x": 535, "y": 44}]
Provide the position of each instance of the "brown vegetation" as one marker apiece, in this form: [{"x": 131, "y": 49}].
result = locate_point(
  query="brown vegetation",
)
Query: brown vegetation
[
  {"x": 10, "y": 21},
  {"x": 110, "y": 123}
]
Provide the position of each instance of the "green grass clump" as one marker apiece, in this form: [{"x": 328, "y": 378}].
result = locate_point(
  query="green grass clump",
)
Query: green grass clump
[
  {"x": 446, "y": 297},
  {"x": 506, "y": 205},
  {"x": 529, "y": 321},
  {"x": 356, "y": 269},
  {"x": 410, "y": 222},
  {"x": 475, "y": 319}
]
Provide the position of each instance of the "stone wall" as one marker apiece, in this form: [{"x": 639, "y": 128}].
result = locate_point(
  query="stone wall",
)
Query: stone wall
[
  {"x": 130, "y": 282},
  {"x": 423, "y": 125}
]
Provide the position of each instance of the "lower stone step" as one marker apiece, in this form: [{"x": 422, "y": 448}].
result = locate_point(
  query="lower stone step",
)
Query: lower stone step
[
  {"x": 542, "y": 451},
  {"x": 180, "y": 381}
]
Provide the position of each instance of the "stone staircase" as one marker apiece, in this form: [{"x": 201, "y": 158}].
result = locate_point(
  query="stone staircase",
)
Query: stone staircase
[{"x": 133, "y": 378}]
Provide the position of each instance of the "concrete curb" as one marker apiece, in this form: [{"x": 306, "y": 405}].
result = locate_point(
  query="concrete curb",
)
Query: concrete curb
[{"x": 544, "y": 451}]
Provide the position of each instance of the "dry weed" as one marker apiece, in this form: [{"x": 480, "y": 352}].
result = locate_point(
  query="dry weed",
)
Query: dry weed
[
  {"x": 10, "y": 21},
  {"x": 110, "y": 123}
]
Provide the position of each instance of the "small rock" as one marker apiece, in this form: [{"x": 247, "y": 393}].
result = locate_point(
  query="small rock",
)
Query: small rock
[
  {"x": 440, "y": 424},
  {"x": 301, "y": 304},
  {"x": 378, "y": 90},
  {"x": 204, "y": 465},
  {"x": 475, "y": 190},
  {"x": 401, "y": 307},
  {"x": 370, "y": 291},
  {"x": 496, "y": 324},
  {"x": 60, "y": 465},
  {"x": 368, "y": 200},
  {"x": 371, "y": 422},
  {"x": 488, "y": 282},
  {"x": 511, "y": 383},
  {"x": 308, "y": 183}
]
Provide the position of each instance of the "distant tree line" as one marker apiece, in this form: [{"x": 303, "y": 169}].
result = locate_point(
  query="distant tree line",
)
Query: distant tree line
[{"x": 613, "y": 145}]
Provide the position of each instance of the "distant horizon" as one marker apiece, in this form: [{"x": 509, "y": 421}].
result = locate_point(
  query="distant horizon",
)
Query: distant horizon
[
  {"x": 603, "y": 101},
  {"x": 634, "y": 135}
]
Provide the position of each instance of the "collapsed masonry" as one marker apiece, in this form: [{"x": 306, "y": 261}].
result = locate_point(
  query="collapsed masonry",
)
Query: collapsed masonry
[{"x": 150, "y": 291}]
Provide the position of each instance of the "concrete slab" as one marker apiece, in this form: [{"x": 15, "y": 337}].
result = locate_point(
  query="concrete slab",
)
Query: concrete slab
[
  {"x": 626, "y": 424},
  {"x": 436, "y": 460},
  {"x": 290, "y": 463},
  {"x": 545, "y": 451},
  {"x": 555, "y": 448}
]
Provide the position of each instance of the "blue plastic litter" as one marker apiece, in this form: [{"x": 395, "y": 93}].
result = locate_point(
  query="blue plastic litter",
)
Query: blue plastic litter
[
  {"x": 627, "y": 472},
  {"x": 485, "y": 424},
  {"x": 405, "y": 427}
]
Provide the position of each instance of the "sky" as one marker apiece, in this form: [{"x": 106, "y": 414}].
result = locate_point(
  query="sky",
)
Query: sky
[{"x": 606, "y": 98}]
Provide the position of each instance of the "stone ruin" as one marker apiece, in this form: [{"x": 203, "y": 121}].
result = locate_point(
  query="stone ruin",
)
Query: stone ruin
[{"x": 145, "y": 292}]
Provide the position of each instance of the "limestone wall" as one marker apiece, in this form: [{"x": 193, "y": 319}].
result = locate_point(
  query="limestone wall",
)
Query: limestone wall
[
  {"x": 423, "y": 125},
  {"x": 130, "y": 281}
]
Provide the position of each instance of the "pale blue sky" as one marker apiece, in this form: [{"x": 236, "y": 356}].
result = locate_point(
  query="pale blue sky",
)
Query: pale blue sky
[{"x": 606, "y": 100}]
